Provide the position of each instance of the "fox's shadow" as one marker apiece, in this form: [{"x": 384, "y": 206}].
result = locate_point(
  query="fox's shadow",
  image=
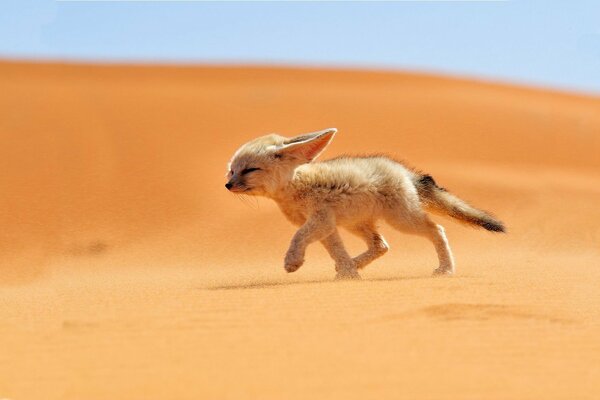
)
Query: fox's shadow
[{"x": 273, "y": 284}]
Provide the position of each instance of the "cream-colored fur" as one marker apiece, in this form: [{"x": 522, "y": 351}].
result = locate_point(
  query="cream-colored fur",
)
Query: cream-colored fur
[{"x": 350, "y": 192}]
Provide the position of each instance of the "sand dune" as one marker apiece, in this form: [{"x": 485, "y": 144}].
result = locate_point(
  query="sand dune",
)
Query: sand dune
[{"x": 128, "y": 272}]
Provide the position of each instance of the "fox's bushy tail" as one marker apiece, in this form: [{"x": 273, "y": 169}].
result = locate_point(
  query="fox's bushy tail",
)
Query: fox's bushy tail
[{"x": 438, "y": 200}]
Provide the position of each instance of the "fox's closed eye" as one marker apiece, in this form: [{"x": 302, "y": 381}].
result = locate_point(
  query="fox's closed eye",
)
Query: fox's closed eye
[{"x": 248, "y": 170}]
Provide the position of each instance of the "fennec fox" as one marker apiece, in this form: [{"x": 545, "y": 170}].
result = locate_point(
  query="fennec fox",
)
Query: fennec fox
[{"x": 351, "y": 192}]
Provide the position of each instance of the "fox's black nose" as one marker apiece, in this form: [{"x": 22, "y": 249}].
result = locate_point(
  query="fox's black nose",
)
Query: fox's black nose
[{"x": 229, "y": 185}]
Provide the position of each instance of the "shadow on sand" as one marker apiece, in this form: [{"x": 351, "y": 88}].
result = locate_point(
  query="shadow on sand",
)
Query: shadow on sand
[{"x": 273, "y": 284}]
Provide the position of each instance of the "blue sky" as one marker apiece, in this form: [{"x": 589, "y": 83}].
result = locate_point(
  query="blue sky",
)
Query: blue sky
[{"x": 552, "y": 43}]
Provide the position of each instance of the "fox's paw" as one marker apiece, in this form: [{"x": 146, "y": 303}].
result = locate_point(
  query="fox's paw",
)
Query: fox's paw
[
  {"x": 292, "y": 263},
  {"x": 443, "y": 272},
  {"x": 346, "y": 274},
  {"x": 292, "y": 267}
]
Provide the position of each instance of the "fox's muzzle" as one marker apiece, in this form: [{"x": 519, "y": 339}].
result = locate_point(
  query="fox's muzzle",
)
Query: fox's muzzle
[{"x": 236, "y": 186}]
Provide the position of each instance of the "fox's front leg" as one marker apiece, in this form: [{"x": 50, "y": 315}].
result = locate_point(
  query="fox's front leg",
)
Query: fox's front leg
[
  {"x": 318, "y": 226},
  {"x": 344, "y": 264}
]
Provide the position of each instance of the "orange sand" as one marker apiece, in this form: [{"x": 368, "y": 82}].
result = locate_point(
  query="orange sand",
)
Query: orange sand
[{"x": 128, "y": 272}]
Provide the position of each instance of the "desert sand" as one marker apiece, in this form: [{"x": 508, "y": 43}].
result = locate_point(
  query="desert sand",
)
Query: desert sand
[{"x": 127, "y": 271}]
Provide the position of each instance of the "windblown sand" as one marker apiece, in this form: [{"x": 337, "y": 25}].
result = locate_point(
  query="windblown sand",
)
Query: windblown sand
[{"x": 127, "y": 271}]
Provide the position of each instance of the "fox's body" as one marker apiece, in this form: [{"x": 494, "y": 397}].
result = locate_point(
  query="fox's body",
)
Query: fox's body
[
  {"x": 357, "y": 190},
  {"x": 350, "y": 192}
]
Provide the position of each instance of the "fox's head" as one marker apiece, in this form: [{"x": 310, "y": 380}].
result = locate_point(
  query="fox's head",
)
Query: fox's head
[{"x": 266, "y": 164}]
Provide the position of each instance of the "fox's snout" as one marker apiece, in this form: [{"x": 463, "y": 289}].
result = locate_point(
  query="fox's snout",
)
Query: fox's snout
[
  {"x": 235, "y": 186},
  {"x": 231, "y": 186}
]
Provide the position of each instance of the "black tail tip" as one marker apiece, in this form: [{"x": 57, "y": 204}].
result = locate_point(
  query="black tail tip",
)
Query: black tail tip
[{"x": 494, "y": 226}]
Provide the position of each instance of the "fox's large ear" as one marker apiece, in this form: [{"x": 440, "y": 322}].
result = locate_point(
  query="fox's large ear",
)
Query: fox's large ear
[{"x": 307, "y": 147}]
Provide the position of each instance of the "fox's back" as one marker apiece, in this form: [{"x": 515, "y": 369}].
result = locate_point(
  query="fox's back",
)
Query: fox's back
[
  {"x": 351, "y": 174},
  {"x": 355, "y": 186}
]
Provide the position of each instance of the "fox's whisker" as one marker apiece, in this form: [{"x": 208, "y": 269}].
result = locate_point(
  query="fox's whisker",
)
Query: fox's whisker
[{"x": 243, "y": 200}]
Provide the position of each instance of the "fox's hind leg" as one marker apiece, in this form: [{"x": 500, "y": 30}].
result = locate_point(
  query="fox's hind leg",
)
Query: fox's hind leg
[
  {"x": 422, "y": 225},
  {"x": 437, "y": 235},
  {"x": 377, "y": 246},
  {"x": 344, "y": 264}
]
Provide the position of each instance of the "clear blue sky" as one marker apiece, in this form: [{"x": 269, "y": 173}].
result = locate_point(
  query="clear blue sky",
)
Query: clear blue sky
[{"x": 554, "y": 43}]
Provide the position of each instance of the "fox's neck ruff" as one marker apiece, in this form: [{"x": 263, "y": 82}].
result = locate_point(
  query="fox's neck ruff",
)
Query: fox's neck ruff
[
  {"x": 283, "y": 187},
  {"x": 281, "y": 193}
]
